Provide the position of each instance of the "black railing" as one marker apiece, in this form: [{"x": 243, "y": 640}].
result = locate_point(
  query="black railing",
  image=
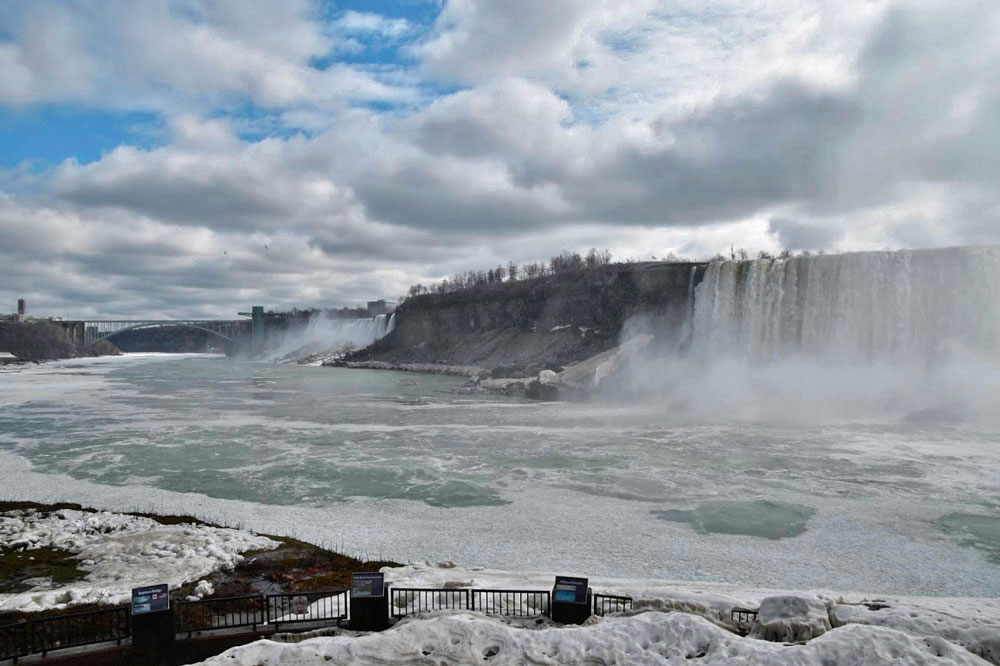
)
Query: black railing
[
  {"x": 115, "y": 624},
  {"x": 605, "y": 604},
  {"x": 15, "y": 641},
  {"x": 743, "y": 616},
  {"x": 64, "y": 631},
  {"x": 307, "y": 607},
  {"x": 224, "y": 613},
  {"x": 513, "y": 603},
  {"x": 410, "y": 600}
]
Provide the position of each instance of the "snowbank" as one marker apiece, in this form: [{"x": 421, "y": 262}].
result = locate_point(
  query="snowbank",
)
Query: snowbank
[
  {"x": 649, "y": 638},
  {"x": 971, "y": 623},
  {"x": 118, "y": 552},
  {"x": 828, "y": 629}
]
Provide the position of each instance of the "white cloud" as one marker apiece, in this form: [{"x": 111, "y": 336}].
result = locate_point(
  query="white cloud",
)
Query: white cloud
[
  {"x": 647, "y": 127},
  {"x": 176, "y": 56},
  {"x": 370, "y": 23}
]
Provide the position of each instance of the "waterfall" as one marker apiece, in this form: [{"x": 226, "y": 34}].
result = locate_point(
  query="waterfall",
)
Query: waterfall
[
  {"x": 325, "y": 334},
  {"x": 856, "y": 307}
]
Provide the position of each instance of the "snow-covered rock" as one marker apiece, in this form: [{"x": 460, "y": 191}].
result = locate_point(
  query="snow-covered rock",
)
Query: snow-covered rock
[
  {"x": 118, "y": 552},
  {"x": 201, "y": 590},
  {"x": 548, "y": 377},
  {"x": 791, "y": 618},
  {"x": 648, "y": 638},
  {"x": 970, "y": 623}
]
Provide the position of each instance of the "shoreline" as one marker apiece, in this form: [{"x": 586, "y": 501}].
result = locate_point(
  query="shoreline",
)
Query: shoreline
[{"x": 468, "y": 371}]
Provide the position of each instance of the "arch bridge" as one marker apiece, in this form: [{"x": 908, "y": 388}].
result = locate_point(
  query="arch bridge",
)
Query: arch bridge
[{"x": 95, "y": 330}]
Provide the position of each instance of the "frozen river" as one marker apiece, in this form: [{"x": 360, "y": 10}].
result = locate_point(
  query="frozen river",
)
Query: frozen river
[{"x": 409, "y": 467}]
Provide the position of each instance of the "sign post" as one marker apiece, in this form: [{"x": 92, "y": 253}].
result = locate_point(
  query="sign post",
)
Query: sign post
[
  {"x": 571, "y": 600},
  {"x": 152, "y": 625},
  {"x": 369, "y": 602}
]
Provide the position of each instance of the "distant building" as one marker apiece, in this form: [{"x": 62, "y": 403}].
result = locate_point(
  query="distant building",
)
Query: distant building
[{"x": 380, "y": 307}]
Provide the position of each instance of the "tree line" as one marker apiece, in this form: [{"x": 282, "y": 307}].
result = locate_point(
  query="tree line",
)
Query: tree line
[
  {"x": 561, "y": 264},
  {"x": 565, "y": 263}
]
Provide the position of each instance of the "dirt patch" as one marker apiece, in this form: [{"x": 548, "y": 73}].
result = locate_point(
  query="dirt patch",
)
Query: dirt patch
[{"x": 19, "y": 570}]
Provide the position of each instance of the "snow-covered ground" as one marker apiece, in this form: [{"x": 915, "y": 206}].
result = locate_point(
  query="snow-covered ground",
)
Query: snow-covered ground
[
  {"x": 118, "y": 552},
  {"x": 671, "y": 621}
]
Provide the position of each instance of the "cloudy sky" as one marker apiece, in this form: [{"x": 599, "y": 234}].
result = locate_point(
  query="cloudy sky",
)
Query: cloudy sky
[{"x": 185, "y": 158}]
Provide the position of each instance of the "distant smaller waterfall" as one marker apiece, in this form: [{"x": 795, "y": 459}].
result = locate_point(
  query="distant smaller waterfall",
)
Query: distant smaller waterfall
[{"x": 328, "y": 334}]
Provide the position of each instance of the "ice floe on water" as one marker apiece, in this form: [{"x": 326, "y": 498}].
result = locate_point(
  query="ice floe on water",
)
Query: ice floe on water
[
  {"x": 671, "y": 622},
  {"x": 118, "y": 552}
]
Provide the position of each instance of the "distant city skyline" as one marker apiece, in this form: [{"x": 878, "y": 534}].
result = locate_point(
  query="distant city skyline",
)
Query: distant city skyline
[{"x": 192, "y": 158}]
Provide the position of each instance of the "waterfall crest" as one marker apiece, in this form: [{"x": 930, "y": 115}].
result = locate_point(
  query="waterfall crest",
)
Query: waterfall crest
[{"x": 856, "y": 307}]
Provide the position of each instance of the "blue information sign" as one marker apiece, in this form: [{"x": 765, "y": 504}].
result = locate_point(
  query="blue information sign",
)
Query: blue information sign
[
  {"x": 367, "y": 585},
  {"x": 150, "y": 599},
  {"x": 570, "y": 590}
]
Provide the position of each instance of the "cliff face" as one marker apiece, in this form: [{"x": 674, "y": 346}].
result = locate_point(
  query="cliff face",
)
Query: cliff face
[
  {"x": 44, "y": 341},
  {"x": 532, "y": 324}
]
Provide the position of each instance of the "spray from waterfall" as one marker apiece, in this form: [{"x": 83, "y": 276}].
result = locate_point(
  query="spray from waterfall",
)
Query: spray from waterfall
[
  {"x": 865, "y": 334},
  {"x": 324, "y": 337}
]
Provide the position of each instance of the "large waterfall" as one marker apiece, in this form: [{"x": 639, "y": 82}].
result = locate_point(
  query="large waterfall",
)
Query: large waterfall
[
  {"x": 858, "y": 335},
  {"x": 857, "y": 307}
]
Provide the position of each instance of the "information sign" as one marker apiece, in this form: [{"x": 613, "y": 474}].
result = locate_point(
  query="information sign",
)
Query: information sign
[
  {"x": 367, "y": 585},
  {"x": 150, "y": 599},
  {"x": 570, "y": 590}
]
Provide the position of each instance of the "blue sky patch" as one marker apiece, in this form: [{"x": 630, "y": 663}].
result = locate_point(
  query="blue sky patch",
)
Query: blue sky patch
[{"x": 47, "y": 135}]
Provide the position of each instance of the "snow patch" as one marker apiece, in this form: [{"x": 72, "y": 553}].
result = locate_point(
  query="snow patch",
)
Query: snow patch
[
  {"x": 649, "y": 638},
  {"x": 119, "y": 552},
  {"x": 791, "y": 618},
  {"x": 971, "y": 623}
]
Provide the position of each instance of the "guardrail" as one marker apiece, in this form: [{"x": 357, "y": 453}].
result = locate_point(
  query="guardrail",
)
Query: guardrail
[
  {"x": 611, "y": 603},
  {"x": 190, "y": 617},
  {"x": 510, "y": 603},
  {"x": 59, "y": 632},
  {"x": 328, "y": 606},
  {"x": 15, "y": 641},
  {"x": 224, "y": 613},
  {"x": 743, "y": 616},
  {"x": 411, "y": 600}
]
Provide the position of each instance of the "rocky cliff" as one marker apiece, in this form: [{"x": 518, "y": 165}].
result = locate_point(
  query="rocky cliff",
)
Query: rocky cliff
[
  {"x": 525, "y": 326},
  {"x": 44, "y": 341}
]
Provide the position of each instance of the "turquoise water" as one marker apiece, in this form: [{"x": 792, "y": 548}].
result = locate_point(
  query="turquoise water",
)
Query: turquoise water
[{"x": 410, "y": 466}]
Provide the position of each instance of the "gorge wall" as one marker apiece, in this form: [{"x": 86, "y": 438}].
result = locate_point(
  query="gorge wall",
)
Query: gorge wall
[{"x": 528, "y": 325}]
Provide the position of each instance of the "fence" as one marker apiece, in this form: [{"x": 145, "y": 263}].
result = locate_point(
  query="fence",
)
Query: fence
[
  {"x": 611, "y": 603},
  {"x": 743, "y": 616},
  {"x": 65, "y": 631},
  {"x": 410, "y": 600},
  {"x": 115, "y": 624},
  {"x": 329, "y": 606},
  {"x": 511, "y": 603},
  {"x": 224, "y": 613}
]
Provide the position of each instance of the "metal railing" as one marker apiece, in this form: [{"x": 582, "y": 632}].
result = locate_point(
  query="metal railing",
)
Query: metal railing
[
  {"x": 411, "y": 600},
  {"x": 15, "y": 641},
  {"x": 115, "y": 624},
  {"x": 743, "y": 616},
  {"x": 65, "y": 631},
  {"x": 512, "y": 603},
  {"x": 224, "y": 613},
  {"x": 292, "y": 607},
  {"x": 605, "y": 604}
]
